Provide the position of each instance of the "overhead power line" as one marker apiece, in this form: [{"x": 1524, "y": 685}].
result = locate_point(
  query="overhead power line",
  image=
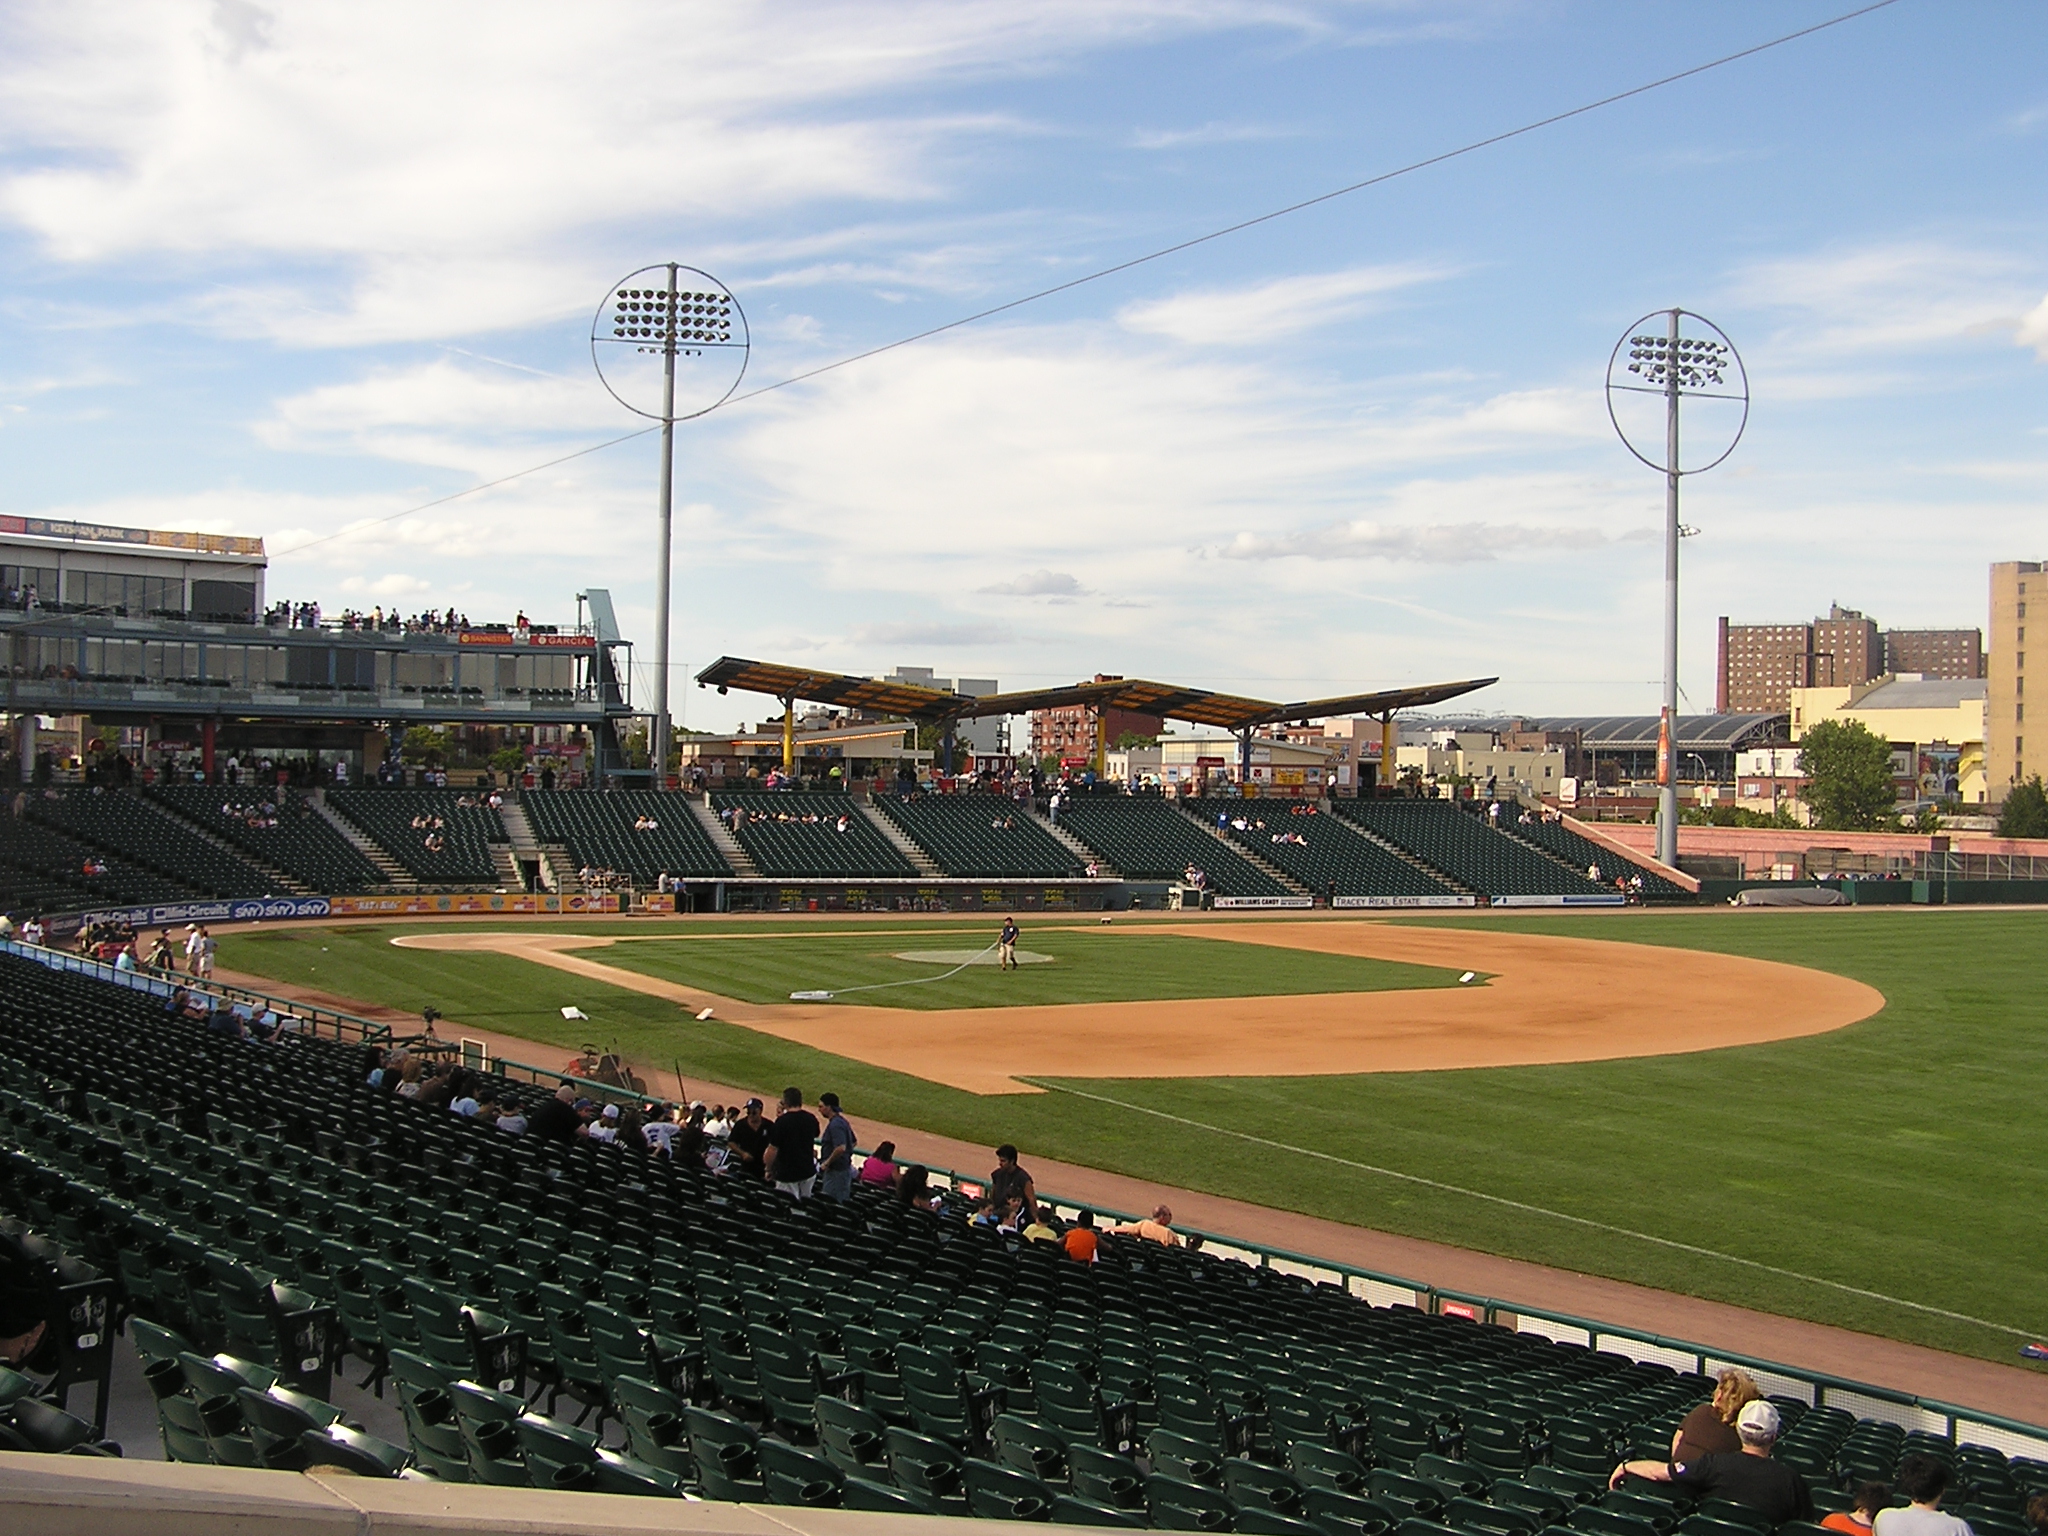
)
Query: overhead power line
[{"x": 1100, "y": 273}]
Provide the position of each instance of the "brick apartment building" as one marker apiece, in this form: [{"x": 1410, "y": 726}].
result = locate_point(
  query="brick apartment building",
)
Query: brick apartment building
[
  {"x": 1068, "y": 730},
  {"x": 1760, "y": 664},
  {"x": 1953, "y": 654}
]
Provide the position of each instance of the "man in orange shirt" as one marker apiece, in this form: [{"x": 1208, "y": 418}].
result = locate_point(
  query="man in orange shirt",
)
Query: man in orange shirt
[{"x": 1080, "y": 1240}]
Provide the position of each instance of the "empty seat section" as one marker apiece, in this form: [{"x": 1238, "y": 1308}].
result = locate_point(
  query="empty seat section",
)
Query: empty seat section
[
  {"x": 981, "y": 836},
  {"x": 1583, "y": 853},
  {"x": 502, "y": 1284},
  {"x": 387, "y": 817},
  {"x": 1144, "y": 838},
  {"x": 279, "y": 826},
  {"x": 1324, "y": 851},
  {"x": 811, "y": 836},
  {"x": 599, "y": 831},
  {"x": 1464, "y": 847},
  {"x": 42, "y": 870},
  {"x": 134, "y": 832}
]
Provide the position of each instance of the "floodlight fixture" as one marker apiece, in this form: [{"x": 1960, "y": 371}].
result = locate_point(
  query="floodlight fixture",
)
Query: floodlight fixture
[
  {"x": 649, "y": 324},
  {"x": 1664, "y": 361}
]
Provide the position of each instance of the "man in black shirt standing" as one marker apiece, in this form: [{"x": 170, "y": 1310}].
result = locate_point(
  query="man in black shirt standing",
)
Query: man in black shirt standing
[
  {"x": 1748, "y": 1477},
  {"x": 747, "y": 1142},
  {"x": 554, "y": 1119},
  {"x": 1010, "y": 1182},
  {"x": 792, "y": 1157}
]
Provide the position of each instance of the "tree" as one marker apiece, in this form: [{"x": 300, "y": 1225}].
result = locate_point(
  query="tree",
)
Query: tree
[
  {"x": 2025, "y": 812},
  {"x": 1849, "y": 772},
  {"x": 422, "y": 744}
]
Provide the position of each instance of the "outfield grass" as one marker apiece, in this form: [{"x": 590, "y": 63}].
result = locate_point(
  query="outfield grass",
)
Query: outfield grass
[
  {"x": 1904, "y": 1156},
  {"x": 1087, "y": 966}
]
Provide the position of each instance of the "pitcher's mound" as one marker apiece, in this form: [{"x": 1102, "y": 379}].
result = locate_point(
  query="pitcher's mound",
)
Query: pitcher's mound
[{"x": 968, "y": 956}]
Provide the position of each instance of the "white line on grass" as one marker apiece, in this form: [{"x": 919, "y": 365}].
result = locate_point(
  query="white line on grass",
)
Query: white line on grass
[{"x": 1538, "y": 1210}]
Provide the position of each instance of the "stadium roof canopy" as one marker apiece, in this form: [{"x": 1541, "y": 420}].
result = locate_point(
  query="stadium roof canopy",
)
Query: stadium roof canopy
[
  {"x": 1621, "y": 733},
  {"x": 1169, "y": 700}
]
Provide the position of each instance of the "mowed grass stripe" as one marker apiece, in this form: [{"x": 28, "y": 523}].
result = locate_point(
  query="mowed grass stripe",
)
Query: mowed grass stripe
[
  {"x": 1088, "y": 966},
  {"x": 1904, "y": 1155},
  {"x": 1533, "y": 1210}
]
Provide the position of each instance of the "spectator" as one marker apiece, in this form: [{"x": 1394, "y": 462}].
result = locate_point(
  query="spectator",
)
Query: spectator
[
  {"x": 511, "y": 1119},
  {"x": 791, "y": 1160},
  {"x": 880, "y": 1166},
  {"x": 1924, "y": 1480},
  {"x": 1709, "y": 1430},
  {"x": 914, "y": 1188},
  {"x": 163, "y": 955},
  {"x": 28, "y": 1303},
  {"x": 2037, "y": 1514},
  {"x": 748, "y": 1142},
  {"x": 606, "y": 1126},
  {"x": 1081, "y": 1241},
  {"x": 835, "y": 1146},
  {"x": 555, "y": 1119},
  {"x": 1010, "y": 1181},
  {"x": 1039, "y": 1230},
  {"x": 1871, "y": 1499},
  {"x": 1156, "y": 1228},
  {"x": 689, "y": 1144},
  {"x": 1771, "y": 1488},
  {"x": 658, "y": 1131}
]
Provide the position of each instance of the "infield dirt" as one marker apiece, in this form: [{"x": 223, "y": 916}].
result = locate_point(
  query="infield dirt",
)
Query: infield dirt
[{"x": 1546, "y": 999}]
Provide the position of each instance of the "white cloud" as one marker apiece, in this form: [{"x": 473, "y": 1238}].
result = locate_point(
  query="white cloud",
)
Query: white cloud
[
  {"x": 1037, "y": 584},
  {"x": 1208, "y": 133},
  {"x": 1431, "y": 543},
  {"x": 440, "y": 170},
  {"x": 2033, "y": 330},
  {"x": 1253, "y": 316},
  {"x": 1900, "y": 297}
]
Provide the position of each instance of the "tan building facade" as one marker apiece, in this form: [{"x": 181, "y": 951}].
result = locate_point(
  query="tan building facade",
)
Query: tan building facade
[
  {"x": 2006, "y": 758},
  {"x": 1936, "y": 728}
]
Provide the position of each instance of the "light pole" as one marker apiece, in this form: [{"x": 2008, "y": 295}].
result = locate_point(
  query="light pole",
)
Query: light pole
[
  {"x": 1669, "y": 364},
  {"x": 646, "y": 323}
]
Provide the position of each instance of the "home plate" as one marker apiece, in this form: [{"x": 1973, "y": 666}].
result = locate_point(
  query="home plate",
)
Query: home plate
[{"x": 968, "y": 956}]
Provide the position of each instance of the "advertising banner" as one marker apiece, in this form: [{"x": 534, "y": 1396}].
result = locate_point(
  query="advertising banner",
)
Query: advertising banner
[
  {"x": 246, "y": 910},
  {"x": 1590, "y": 899},
  {"x": 478, "y": 901},
  {"x": 1264, "y": 901},
  {"x": 1406, "y": 901}
]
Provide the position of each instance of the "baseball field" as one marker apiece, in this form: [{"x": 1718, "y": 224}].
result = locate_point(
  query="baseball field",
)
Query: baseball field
[{"x": 1830, "y": 1114}]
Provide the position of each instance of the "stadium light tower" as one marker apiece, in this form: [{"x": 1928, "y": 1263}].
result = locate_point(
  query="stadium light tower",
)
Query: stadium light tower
[
  {"x": 649, "y": 323},
  {"x": 1664, "y": 362}
]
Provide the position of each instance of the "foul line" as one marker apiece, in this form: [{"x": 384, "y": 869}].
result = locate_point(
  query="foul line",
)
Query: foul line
[{"x": 1538, "y": 1210}]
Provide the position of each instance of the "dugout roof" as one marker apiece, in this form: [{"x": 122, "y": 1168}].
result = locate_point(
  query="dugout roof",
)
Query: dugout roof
[{"x": 1171, "y": 701}]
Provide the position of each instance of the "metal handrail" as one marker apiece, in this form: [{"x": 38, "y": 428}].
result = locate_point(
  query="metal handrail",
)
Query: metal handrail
[
  {"x": 1431, "y": 1298},
  {"x": 342, "y": 1026}
]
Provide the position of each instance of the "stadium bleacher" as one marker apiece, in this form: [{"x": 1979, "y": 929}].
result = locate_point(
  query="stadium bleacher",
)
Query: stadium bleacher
[
  {"x": 264, "y": 1217},
  {"x": 1331, "y": 856},
  {"x": 598, "y": 832},
  {"x": 981, "y": 836},
  {"x": 302, "y": 842},
  {"x": 42, "y": 870},
  {"x": 1583, "y": 853},
  {"x": 797, "y": 836},
  {"x": 385, "y": 816},
  {"x": 1464, "y": 847},
  {"x": 1144, "y": 838},
  {"x": 131, "y": 831}
]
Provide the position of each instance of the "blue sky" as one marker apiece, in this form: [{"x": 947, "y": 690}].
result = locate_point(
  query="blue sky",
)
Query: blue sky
[{"x": 282, "y": 270}]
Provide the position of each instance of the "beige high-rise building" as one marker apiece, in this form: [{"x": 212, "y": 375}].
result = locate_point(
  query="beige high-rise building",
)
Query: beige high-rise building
[{"x": 2006, "y": 758}]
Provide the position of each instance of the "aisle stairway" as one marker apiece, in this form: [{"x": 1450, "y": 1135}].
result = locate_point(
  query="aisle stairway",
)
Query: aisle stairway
[
  {"x": 722, "y": 839},
  {"x": 1404, "y": 856},
  {"x": 917, "y": 856},
  {"x": 1263, "y": 865},
  {"x": 525, "y": 848},
  {"x": 395, "y": 874},
  {"x": 1080, "y": 849}
]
